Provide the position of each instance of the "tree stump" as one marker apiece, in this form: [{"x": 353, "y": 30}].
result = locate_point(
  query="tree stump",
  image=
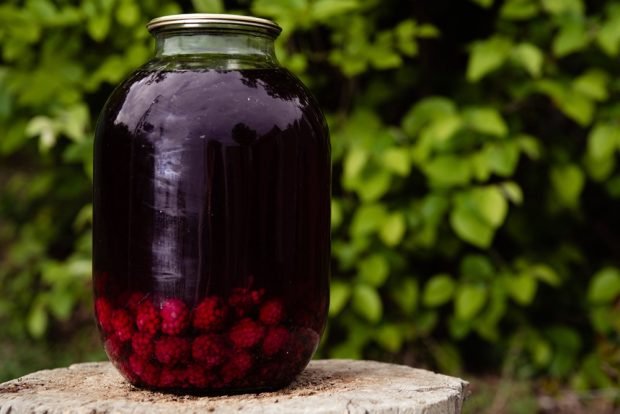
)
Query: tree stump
[{"x": 326, "y": 386}]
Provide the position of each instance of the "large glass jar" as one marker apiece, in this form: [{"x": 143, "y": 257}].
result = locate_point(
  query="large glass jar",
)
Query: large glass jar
[{"x": 211, "y": 213}]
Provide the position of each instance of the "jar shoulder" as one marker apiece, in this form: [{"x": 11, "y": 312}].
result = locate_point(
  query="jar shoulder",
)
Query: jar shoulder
[{"x": 212, "y": 104}]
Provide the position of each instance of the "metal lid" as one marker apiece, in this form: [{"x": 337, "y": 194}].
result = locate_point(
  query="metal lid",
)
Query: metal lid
[{"x": 207, "y": 20}]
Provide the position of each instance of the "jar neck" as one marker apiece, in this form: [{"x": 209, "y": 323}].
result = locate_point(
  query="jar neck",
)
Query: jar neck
[{"x": 245, "y": 48}]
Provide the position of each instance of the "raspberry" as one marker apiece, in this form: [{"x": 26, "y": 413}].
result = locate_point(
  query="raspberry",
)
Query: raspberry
[
  {"x": 304, "y": 342},
  {"x": 236, "y": 367},
  {"x": 172, "y": 377},
  {"x": 171, "y": 350},
  {"x": 275, "y": 373},
  {"x": 147, "y": 372},
  {"x": 103, "y": 312},
  {"x": 124, "y": 368},
  {"x": 134, "y": 300},
  {"x": 122, "y": 324},
  {"x": 114, "y": 348},
  {"x": 305, "y": 319},
  {"x": 142, "y": 344},
  {"x": 147, "y": 318},
  {"x": 246, "y": 333},
  {"x": 208, "y": 350},
  {"x": 275, "y": 340},
  {"x": 197, "y": 376},
  {"x": 210, "y": 314},
  {"x": 272, "y": 312},
  {"x": 244, "y": 300},
  {"x": 174, "y": 316}
]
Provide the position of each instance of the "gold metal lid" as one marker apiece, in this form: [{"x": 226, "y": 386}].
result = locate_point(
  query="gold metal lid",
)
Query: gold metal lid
[{"x": 207, "y": 20}]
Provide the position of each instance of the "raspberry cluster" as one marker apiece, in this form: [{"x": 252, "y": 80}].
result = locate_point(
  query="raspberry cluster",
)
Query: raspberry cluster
[{"x": 242, "y": 341}]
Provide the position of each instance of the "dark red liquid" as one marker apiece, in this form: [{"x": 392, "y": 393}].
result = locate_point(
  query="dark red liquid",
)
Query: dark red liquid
[{"x": 211, "y": 231}]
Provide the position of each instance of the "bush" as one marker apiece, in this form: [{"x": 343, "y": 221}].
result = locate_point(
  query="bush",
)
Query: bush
[{"x": 474, "y": 148}]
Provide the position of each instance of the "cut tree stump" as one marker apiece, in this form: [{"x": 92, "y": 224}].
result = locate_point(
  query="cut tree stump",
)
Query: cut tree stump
[{"x": 326, "y": 386}]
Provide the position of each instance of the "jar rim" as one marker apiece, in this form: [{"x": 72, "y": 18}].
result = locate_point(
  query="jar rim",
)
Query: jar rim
[{"x": 211, "y": 20}]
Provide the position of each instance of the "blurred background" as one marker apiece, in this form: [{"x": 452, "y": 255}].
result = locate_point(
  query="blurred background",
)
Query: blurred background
[{"x": 476, "y": 195}]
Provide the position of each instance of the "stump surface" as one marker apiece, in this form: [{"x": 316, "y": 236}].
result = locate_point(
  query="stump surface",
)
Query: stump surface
[{"x": 326, "y": 386}]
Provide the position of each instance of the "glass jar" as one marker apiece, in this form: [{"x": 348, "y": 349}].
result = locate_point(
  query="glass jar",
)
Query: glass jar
[{"x": 211, "y": 213}]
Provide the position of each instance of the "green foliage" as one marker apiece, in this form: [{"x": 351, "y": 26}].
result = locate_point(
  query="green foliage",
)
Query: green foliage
[
  {"x": 58, "y": 61},
  {"x": 474, "y": 180}
]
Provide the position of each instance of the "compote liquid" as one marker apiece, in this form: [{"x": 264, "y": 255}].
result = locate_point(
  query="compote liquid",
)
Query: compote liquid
[{"x": 211, "y": 229}]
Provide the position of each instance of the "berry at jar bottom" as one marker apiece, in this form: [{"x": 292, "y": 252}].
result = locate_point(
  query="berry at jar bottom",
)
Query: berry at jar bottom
[{"x": 244, "y": 341}]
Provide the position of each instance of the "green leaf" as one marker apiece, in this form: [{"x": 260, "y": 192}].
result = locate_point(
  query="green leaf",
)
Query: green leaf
[
  {"x": 512, "y": 191},
  {"x": 127, "y": 13},
  {"x": 486, "y": 120},
  {"x": 602, "y": 318},
  {"x": 393, "y": 229},
  {"x": 61, "y": 304},
  {"x": 367, "y": 219},
  {"x": 346, "y": 350},
  {"x": 336, "y": 214},
  {"x": 476, "y": 267},
  {"x": 571, "y": 38},
  {"x": 425, "y": 111},
  {"x": 487, "y": 321},
  {"x": 541, "y": 352},
  {"x": 442, "y": 129},
  {"x": 438, "y": 290},
  {"x": 459, "y": 328},
  {"x": 487, "y": 56},
  {"x": 477, "y": 213},
  {"x": 367, "y": 303},
  {"x": 37, "y": 320},
  {"x": 74, "y": 121},
  {"x": 545, "y": 274},
  {"x": 567, "y": 181},
  {"x": 405, "y": 293},
  {"x": 98, "y": 26},
  {"x": 383, "y": 58},
  {"x": 592, "y": 84},
  {"x": 427, "y": 31},
  {"x": 599, "y": 169},
  {"x": 354, "y": 162},
  {"x": 447, "y": 171},
  {"x": 604, "y": 286},
  {"x": 208, "y": 6},
  {"x": 484, "y": 3},
  {"x": 573, "y": 103},
  {"x": 519, "y": 9},
  {"x": 529, "y": 145},
  {"x": 373, "y": 187},
  {"x": 374, "y": 270},
  {"x": 603, "y": 140},
  {"x": 390, "y": 338},
  {"x": 502, "y": 157},
  {"x": 578, "y": 107},
  {"x": 339, "y": 294},
  {"x": 566, "y": 343},
  {"x": 397, "y": 160},
  {"x": 281, "y": 9},
  {"x": 45, "y": 128},
  {"x": 529, "y": 57},
  {"x": 447, "y": 358},
  {"x": 559, "y": 7},
  {"x": 471, "y": 228},
  {"x": 489, "y": 203},
  {"x": 608, "y": 36},
  {"x": 470, "y": 300},
  {"x": 323, "y": 10},
  {"x": 522, "y": 288},
  {"x": 405, "y": 34}
]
